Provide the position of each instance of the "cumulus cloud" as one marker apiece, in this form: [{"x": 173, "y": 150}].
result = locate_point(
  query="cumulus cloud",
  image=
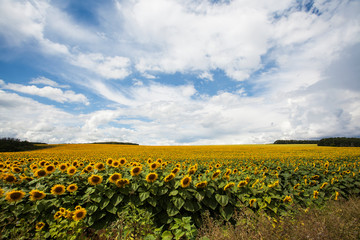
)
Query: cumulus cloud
[
  {"x": 46, "y": 81},
  {"x": 52, "y": 93}
]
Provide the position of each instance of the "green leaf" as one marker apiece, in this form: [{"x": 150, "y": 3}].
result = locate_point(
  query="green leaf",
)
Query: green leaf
[
  {"x": 116, "y": 199},
  {"x": 144, "y": 195},
  {"x": 222, "y": 199},
  {"x": 152, "y": 201},
  {"x": 109, "y": 193},
  {"x": 166, "y": 235},
  {"x": 200, "y": 196},
  {"x": 267, "y": 199},
  {"x": 191, "y": 206},
  {"x": 96, "y": 198},
  {"x": 227, "y": 212},
  {"x": 178, "y": 202},
  {"x": 171, "y": 210},
  {"x": 111, "y": 209},
  {"x": 173, "y": 193},
  {"x": 90, "y": 210},
  {"x": 210, "y": 202},
  {"x": 104, "y": 202},
  {"x": 162, "y": 191}
]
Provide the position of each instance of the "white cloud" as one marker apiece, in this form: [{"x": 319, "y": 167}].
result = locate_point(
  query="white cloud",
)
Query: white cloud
[
  {"x": 107, "y": 67},
  {"x": 207, "y": 76},
  {"x": 52, "y": 93},
  {"x": 45, "y": 81}
]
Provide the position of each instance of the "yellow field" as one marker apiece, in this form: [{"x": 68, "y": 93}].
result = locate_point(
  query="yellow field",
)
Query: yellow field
[{"x": 92, "y": 183}]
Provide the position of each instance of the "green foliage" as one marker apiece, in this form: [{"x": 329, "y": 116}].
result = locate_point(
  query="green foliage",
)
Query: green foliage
[
  {"x": 296, "y": 142},
  {"x": 16, "y": 145},
  {"x": 340, "y": 142}
]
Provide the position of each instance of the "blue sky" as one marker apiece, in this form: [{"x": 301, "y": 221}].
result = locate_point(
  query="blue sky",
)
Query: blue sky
[{"x": 167, "y": 72}]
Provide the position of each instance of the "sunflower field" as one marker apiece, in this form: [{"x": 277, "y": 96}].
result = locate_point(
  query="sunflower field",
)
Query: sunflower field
[{"x": 88, "y": 186}]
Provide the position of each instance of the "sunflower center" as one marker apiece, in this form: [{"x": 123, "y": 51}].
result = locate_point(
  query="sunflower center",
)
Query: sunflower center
[
  {"x": 15, "y": 195},
  {"x": 95, "y": 179}
]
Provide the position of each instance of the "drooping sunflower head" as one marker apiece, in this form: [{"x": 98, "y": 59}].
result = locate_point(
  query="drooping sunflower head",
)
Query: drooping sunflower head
[
  {"x": 229, "y": 185},
  {"x": 79, "y": 214},
  {"x": 287, "y": 199},
  {"x": 185, "y": 182},
  {"x": 39, "y": 226},
  {"x": 122, "y": 182},
  {"x": 50, "y": 168},
  {"x": 95, "y": 179},
  {"x": 175, "y": 170},
  {"x": 15, "y": 195},
  {"x": 72, "y": 188},
  {"x": 36, "y": 195},
  {"x": 316, "y": 194},
  {"x": 71, "y": 170},
  {"x": 151, "y": 177},
  {"x": 202, "y": 184},
  {"x": 40, "y": 173},
  {"x": 216, "y": 174},
  {"x": 135, "y": 171},
  {"x": 58, "y": 189},
  {"x": 114, "y": 177},
  {"x": 323, "y": 185},
  {"x": 242, "y": 184},
  {"x": 58, "y": 215},
  {"x": 99, "y": 166},
  {"x": 252, "y": 201}
]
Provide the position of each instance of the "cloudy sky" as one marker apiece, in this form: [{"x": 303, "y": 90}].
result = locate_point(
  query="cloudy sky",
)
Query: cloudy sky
[{"x": 179, "y": 72}]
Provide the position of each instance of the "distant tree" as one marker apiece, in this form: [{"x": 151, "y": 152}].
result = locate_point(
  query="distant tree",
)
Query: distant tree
[
  {"x": 340, "y": 142},
  {"x": 15, "y": 145},
  {"x": 296, "y": 142}
]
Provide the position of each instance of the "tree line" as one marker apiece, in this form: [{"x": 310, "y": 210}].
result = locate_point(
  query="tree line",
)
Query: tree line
[
  {"x": 16, "y": 145},
  {"x": 333, "y": 142}
]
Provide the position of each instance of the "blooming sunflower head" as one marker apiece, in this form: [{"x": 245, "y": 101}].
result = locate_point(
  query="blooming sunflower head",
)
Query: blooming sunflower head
[
  {"x": 9, "y": 178},
  {"x": 175, "y": 170},
  {"x": 71, "y": 170},
  {"x": 191, "y": 171},
  {"x": 185, "y": 182},
  {"x": 36, "y": 195},
  {"x": 202, "y": 184},
  {"x": 122, "y": 161},
  {"x": 153, "y": 166},
  {"x": 169, "y": 177},
  {"x": 109, "y": 161},
  {"x": 79, "y": 214},
  {"x": 99, "y": 166},
  {"x": 40, "y": 173},
  {"x": 229, "y": 185},
  {"x": 242, "y": 184},
  {"x": 115, "y": 163},
  {"x": 151, "y": 177},
  {"x": 114, "y": 177},
  {"x": 58, "y": 189},
  {"x": 95, "y": 179},
  {"x": 135, "y": 171},
  {"x": 58, "y": 215},
  {"x": 122, "y": 182},
  {"x": 50, "y": 168},
  {"x": 62, "y": 167},
  {"x": 39, "y": 226},
  {"x": 16, "y": 169},
  {"x": 15, "y": 195},
  {"x": 72, "y": 188}
]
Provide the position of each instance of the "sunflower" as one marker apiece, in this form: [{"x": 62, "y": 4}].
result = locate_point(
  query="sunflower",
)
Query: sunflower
[
  {"x": 62, "y": 210},
  {"x": 109, "y": 161},
  {"x": 40, "y": 173},
  {"x": 58, "y": 189},
  {"x": 75, "y": 163},
  {"x": 114, "y": 177},
  {"x": 151, "y": 177},
  {"x": 78, "y": 207},
  {"x": 16, "y": 169},
  {"x": 169, "y": 177},
  {"x": 115, "y": 163},
  {"x": 336, "y": 196},
  {"x": 15, "y": 195},
  {"x": 72, "y": 188},
  {"x": 50, "y": 169},
  {"x": 36, "y": 195},
  {"x": 228, "y": 172},
  {"x": 153, "y": 166},
  {"x": 191, "y": 171},
  {"x": 135, "y": 171},
  {"x": 175, "y": 170},
  {"x": 235, "y": 171},
  {"x": 122, "y": 161},
  {"x": 1, "y": 192},
  {"x": 10, "y": 178},
  {"x": 229, "y": 185},
  {"x": 242, "y": 184},
  {"x": 62, "y": 167},
  {"x": 122, "y": 182},
  {"x": 71, "y": 170},
  {"x": 95, "y": 179},
  {"x": 42, "y": 163},
  {"x": 252, "y": 201},
  {"x": 202, "y": 184},
  {"x": 296, "y": 186},
  {"x": 79, "y": 214},
  {"x": 185, "y": 182},
  {"x": 323, "y": 185},
  {"x": 39, "y": 226},
  {"x": 58, "y": 215},
  {"x": 217, "y": 165},
  {"x": 316, "y": 194},
  {"x": 149, "y": 160},
  {"x": 287, "y": 199},
  {"x": 100, "y": 166},
  {"x": 216, "y": 174},
  {"x": 89, "y": 168}
]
